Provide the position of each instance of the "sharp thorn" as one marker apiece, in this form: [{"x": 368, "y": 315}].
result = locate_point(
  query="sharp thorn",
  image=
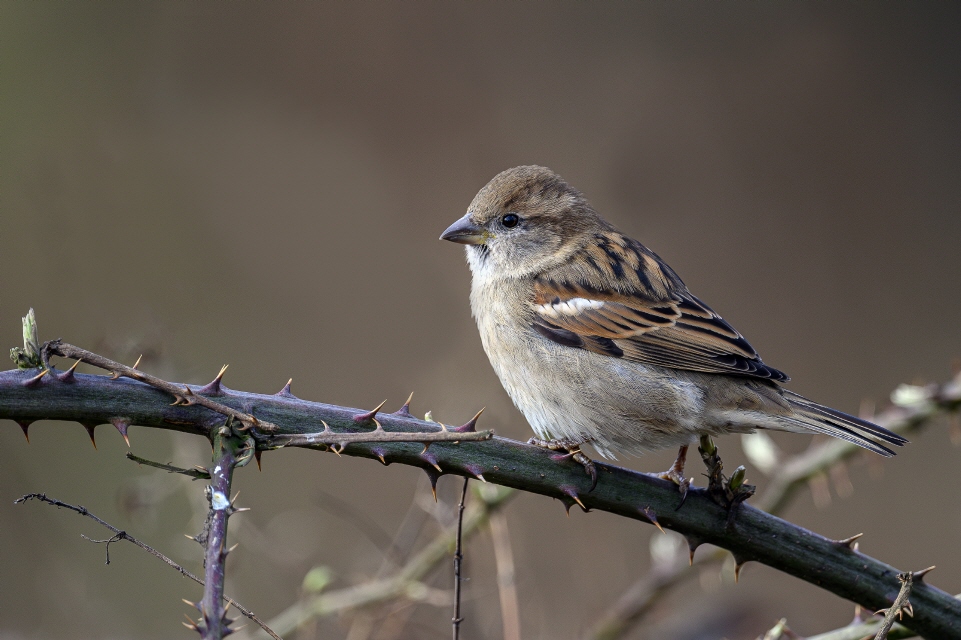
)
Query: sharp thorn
[
  {"x": 404, "y": 411},
  {"x": 285, "y": 392},
  {"x": 137, "y": 363},
  {"x": 34, "y": 381},
  {"x": 437, "y": 466},
  {"x": 257, "y": 454},
  {"x": 432, "y": 476},
  {"x": 918, "y": 575},
  {"x": 470, "y": 425},
  {"x": 230, "y": 550},
  {"x": 25, "y": 426},
  {"x": 121, "y": 425},
  {"x": 377, "y": 424},
  {"x": 476, "y": 471},
  {"x": 115, "y": 375},
  {"x": 189, "y": 603},
  {"x": 850, "y": 543},
  {"x": 692, "y": 544},
  {"x": 364, "y": 417},
  {"x": 214, "y": 388},
  {"x": 648, "y": 513},
  {"x": 573, "y": 496},
  {"x": 68, "y": 375},
  {"x": 90, "y": 428},
  {"x": 379, "y": 454}
]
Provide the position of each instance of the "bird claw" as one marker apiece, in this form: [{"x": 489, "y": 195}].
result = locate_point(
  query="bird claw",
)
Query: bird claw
[
  {"x": 571, "y": 450},
  {"x": 676, "y": 474}
]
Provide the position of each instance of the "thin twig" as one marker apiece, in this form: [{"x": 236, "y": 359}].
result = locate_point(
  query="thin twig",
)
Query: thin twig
[
  {"x": 338, "y": 441},
  {"x": 506, "y": 583},
  {"x": 196, "y": 474},
  {"x": 458, "y": 556},
  {"x": 123, "y": 535},
  {"x": 405, "y": 583},
  {"x": 182, "y": 394},
  {"x": 900, "y": 605}
]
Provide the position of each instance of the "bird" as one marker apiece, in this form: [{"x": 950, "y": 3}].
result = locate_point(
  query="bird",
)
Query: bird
[{"x": 598, "y": 341}]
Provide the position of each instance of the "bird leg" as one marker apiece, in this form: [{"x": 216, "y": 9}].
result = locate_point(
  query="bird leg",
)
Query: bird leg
[
  {"x": 572, "y": 450},
  {"x": 727, "y": 492},
  {"x": 676, "y": 473}
]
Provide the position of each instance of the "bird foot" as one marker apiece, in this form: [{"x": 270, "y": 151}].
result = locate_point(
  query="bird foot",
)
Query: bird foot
[
  {"x": 727, "y": 492},
  {"x": 572, "y": 450},
  {"x": 676, "y": 474}
]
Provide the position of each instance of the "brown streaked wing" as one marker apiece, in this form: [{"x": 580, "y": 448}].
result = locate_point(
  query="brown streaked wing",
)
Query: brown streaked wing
[{"x": 652, "y": 318}]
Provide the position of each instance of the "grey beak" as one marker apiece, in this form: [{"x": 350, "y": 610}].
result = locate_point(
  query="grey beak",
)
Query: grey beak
[{"x": 465, "y": 232}]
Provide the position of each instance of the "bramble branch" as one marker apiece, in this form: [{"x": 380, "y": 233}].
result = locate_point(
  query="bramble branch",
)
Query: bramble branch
[{"x": 29, "y": 395}]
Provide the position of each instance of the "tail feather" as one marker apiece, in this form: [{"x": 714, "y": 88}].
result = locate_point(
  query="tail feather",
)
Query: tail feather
[{"x": 816, "y": 417}]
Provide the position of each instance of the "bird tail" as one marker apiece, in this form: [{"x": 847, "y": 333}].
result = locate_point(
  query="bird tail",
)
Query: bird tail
[{"x": 812, "y": 416}]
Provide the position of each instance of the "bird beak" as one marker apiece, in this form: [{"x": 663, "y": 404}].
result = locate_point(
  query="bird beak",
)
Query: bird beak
[{"x": 465, "y": 232}]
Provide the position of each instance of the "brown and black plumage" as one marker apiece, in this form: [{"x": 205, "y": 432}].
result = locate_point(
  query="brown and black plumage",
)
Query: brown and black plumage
[{"x": 597, "y": 340}]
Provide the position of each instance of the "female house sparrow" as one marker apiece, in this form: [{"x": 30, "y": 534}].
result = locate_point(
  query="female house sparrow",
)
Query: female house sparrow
[{"x": 598, "y": 341}]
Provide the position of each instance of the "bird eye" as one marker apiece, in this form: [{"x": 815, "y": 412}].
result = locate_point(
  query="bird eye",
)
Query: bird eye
[{"x": 510, "y": 220}]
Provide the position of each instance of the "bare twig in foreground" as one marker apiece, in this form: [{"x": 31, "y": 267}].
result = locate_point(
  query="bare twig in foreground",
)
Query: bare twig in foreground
[
  {"x": 123, "y": 535},
  {"x": 458, "y": 557}
]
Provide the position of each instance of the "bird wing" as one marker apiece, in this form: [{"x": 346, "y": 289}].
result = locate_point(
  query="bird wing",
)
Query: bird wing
[{"x": 617, "y": 298}]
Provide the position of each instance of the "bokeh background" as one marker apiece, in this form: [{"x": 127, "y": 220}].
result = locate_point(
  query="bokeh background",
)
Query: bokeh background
[{"x": 263, "y": 184}]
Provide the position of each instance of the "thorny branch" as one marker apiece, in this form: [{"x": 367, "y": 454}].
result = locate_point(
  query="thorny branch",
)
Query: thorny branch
[
  {"x": 913, "y": 408},
  {"x": 123, "y": 535},
  {"x": 752, "y": 535}
]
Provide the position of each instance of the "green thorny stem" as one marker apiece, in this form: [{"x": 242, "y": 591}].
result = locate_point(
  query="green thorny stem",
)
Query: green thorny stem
[{"x": 30, "y": 395}]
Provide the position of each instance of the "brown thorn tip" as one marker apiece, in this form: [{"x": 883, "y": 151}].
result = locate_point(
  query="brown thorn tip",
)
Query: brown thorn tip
[
  {"x": 737, "y": 571},
  {"x": 230, "y": 550},
  {"x": 257, "y": 454},
  {"x": 36, "y": 379},
  {"x": 121, "y": 425},
  {"x": 470, "y": 425},
  {"x": 137, "y": 363},
  {"x": 68, "y": 375},
  {"x": 648, "y": 513},
  {"x": 25, "y": 426},
  {"x": 918, "y": 575},
  {"x": 364, "y": 417},
  {"x": 850, "y": 543},
  {"x": 90, "y": 428},
  {"x": 405, "y": 410}
]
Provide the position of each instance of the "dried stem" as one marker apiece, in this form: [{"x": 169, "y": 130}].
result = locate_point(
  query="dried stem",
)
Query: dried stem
[
  {"x": 123, "y": 535},
  {"x": 458, "y": 557},
  {"x": 900, "y": 605},
  {"x": 506, "y": 584},
  {"x": 405, "y": 583}
]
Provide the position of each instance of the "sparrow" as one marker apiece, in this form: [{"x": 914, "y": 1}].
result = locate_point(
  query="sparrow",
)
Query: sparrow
[{"x": 598, "y": 341}]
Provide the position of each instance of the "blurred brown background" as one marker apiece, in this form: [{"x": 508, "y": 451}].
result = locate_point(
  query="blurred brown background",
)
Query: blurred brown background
[{"x": 264, "y": 184}]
